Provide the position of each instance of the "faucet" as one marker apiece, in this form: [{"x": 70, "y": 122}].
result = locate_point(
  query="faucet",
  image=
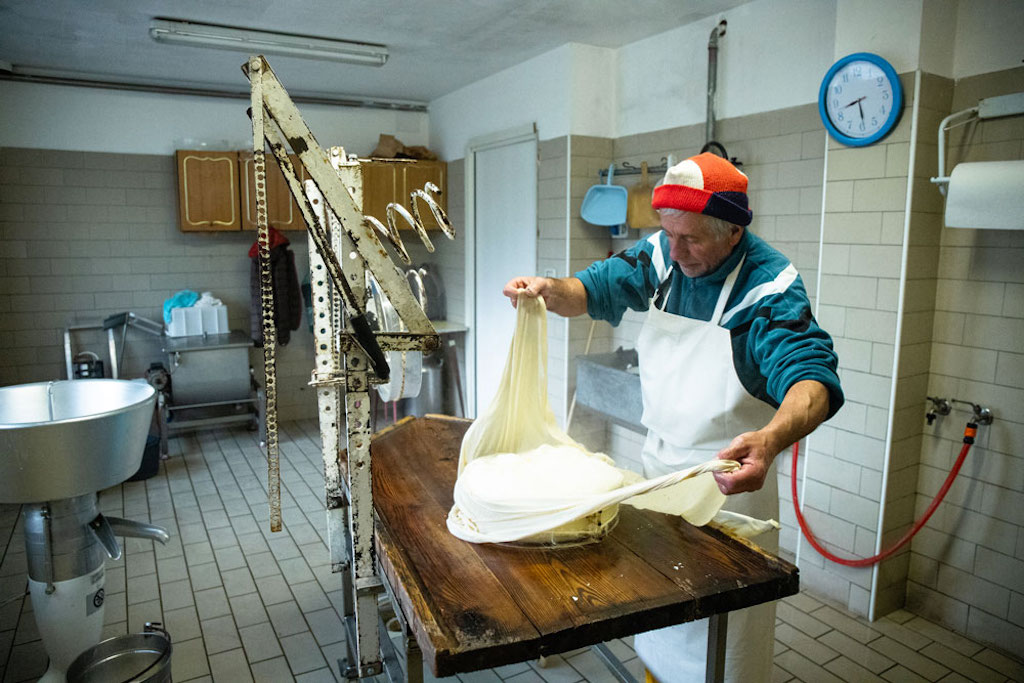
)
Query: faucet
[
  {"x": 940, "y": 406},
  {"x": 108, "y": 528}
]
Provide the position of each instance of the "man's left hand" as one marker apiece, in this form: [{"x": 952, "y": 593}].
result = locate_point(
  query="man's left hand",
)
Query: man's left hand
[{"x": 754, "y": 452}]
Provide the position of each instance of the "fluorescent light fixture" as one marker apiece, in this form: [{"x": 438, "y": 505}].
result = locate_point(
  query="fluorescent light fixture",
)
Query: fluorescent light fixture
[{"x": 267, "y": 42}]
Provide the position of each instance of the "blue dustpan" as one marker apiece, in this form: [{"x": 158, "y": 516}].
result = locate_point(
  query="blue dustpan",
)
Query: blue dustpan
[{"x": 605, "y": 204}]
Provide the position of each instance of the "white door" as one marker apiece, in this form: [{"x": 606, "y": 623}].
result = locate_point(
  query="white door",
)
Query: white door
[{"x": 504, "y": 207}]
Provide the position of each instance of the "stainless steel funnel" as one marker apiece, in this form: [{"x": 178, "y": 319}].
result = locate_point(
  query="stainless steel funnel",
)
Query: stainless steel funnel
[{"x": 70, "y": 438}]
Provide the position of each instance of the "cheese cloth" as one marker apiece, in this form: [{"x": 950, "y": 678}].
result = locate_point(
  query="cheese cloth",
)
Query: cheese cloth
[{"x": 519, "y": 424}]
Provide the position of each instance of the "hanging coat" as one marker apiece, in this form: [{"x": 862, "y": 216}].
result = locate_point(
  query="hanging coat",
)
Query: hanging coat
[{"x": 287, "y": 295}]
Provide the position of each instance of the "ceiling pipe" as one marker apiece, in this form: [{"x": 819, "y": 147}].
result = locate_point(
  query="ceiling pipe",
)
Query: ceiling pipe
[{"x": 30, "y": 75}]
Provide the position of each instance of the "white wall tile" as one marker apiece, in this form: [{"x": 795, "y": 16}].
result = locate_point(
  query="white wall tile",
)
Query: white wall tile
[{"x": 875, "y": 260}]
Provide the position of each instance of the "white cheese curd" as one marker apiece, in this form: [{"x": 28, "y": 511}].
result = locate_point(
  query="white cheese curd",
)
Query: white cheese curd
[{"x": 549, "y": 473}]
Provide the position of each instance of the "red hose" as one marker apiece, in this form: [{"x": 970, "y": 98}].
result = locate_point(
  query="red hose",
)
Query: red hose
[{"x": 969, "y": 434}]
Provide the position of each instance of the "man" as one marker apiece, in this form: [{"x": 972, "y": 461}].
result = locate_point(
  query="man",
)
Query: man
[{"x": 732, "y": 364}]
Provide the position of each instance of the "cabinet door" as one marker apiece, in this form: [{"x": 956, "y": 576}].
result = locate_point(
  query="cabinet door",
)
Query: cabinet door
[
  {"x": 282, "y": 210},
  {"x": 208, "y": 190},
  {"x": 381, "y": 185},
  {"x": 416, "y": 176}
]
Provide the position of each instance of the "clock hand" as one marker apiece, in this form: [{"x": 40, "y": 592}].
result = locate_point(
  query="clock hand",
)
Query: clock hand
[
  {"x": 861, "y": 109},
  {"x": 856, "y": 101}
]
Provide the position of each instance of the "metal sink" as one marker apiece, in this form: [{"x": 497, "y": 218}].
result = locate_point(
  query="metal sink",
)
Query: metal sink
[
  {"x": 609, "y": 383},
  {"x": 72, "y": 437}
]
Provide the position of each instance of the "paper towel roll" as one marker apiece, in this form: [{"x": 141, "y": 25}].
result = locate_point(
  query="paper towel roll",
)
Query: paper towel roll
[{"x": 986, "y": 194}]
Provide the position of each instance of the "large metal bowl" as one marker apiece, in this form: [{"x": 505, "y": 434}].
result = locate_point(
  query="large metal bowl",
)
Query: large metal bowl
[{"x": 72, "y": 437}]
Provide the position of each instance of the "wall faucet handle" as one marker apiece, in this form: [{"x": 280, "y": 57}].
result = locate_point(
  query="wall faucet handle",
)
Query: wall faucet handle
[
  {"x": 982, "y": 415},
  {"x": 940, "y": 406}
]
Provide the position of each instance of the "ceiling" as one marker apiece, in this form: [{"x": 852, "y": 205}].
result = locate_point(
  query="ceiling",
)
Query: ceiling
[{"x": 435, "y": 46}]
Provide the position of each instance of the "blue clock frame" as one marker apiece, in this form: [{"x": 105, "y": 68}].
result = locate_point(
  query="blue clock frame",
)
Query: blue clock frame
[{"x": 897, "y": 99}]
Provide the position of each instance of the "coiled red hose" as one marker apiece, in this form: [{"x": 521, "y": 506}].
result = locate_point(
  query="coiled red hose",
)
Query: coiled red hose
[{"x": 969, "y": 433}]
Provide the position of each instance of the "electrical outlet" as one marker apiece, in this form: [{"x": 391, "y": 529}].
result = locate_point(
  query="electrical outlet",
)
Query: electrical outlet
[{"x": 549, "y": 272}]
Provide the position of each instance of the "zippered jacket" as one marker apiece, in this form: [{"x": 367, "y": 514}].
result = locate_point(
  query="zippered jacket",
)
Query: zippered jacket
[{"x": 776, "y": 341}]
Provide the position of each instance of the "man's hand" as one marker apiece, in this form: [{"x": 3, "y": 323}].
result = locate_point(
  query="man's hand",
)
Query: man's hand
[
  {"x": 804, "y": 407},
  {"x": 754, "y": 452},
  {"x": 565, "y": 296},
  {"x": 533, "y": 286}
]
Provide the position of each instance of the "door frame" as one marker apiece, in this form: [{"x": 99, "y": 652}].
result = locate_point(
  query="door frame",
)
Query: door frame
[{"x": 509, "y": 136}]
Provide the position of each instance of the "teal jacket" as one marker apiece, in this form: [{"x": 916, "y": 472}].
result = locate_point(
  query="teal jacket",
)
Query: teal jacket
[{"x": 775, "y": 340}]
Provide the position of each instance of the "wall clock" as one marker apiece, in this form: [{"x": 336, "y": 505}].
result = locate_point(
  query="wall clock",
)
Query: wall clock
[{"x": 860, "y": 99}]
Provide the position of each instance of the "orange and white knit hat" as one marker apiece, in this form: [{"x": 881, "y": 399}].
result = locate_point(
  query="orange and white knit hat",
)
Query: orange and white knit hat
[{"x": 706, "y": 184}]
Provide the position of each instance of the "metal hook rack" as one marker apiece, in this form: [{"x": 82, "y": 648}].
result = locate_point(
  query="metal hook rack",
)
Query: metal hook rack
[{"x": 626, "y": 168}]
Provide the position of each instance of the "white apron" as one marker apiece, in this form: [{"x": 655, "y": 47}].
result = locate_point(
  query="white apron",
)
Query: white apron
[{"x": 694, "y": 405}]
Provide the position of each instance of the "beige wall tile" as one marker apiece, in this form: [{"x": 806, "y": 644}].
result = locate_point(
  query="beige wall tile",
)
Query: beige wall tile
[
  {"x": 949, "y": 327},
  {"x": 843, "y": 290},
  {"x": 856, "y": 163},
  {"x": 838, "y": 196},
  {"x": 867, "y": 388},
  {"x": 877, "y": 326},
  {"x": 886, "y": 194},
  {"x": 875, "y": 260},
  {"x": 853, "y": 228},
  {"x": 989, "y": 332},
  {"x": 959, "y": 361},
  {"x": 897, "y": 159},
  {"x": 835, "y": 259},
  {"x": 893, "y": 227},
  {"x": 987, "y": 628}
]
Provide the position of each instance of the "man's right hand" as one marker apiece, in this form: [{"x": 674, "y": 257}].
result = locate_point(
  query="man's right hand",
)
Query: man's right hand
[
  {"x": 564, "y": 296},
  {"x": 527, "y": 286}
]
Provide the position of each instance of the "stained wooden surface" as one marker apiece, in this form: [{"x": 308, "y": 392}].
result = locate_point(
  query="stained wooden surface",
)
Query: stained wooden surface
[{"x": 477, "y": 606}]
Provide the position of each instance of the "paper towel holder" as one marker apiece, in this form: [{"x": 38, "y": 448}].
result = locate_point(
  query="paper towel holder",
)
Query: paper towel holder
[
  {"x": 981, "y": 204},
  {"x": 988, "y": 108}
]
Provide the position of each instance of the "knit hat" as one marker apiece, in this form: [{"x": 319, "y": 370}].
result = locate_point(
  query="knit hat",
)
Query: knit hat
[{"x": 706, "y": 184}]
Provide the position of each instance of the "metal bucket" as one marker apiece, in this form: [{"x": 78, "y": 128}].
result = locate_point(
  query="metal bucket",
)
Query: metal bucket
[{"x": 134, "y": 658}]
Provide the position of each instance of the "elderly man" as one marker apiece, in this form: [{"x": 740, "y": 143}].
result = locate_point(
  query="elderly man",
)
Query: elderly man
[{"x": 732, "y": 364}]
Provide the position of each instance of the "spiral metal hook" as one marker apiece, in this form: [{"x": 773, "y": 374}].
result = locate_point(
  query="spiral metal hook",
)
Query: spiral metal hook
[{"x": 427, "y": 195}]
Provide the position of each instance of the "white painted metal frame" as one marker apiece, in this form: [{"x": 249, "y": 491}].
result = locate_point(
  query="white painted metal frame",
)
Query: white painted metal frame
[{"x": 330, "y": 205}]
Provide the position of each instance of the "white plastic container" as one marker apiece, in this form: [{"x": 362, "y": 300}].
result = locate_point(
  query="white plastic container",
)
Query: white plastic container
[{"x": 186, "y": 322}]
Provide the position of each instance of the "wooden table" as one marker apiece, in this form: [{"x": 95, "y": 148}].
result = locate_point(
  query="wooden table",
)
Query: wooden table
[{"x": 478, "y": 606}]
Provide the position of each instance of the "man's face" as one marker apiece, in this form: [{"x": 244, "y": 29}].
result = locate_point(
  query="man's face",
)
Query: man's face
[{"x": 693, "y": 246}]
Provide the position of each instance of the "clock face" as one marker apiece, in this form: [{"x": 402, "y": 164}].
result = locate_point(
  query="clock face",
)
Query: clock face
[{"x": 860, "y": 99}]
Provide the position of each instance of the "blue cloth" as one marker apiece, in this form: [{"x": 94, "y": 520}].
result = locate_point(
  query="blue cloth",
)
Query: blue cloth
[
  {"x": 182, "y": 299},
  {"x": 775, "y": 340}
]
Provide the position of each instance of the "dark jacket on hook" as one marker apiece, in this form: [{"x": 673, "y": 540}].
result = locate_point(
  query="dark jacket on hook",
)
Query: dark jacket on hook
[{"x": 287, "y": 295}]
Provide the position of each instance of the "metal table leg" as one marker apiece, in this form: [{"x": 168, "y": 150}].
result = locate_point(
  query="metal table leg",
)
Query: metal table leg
[
  {"x": 613, "y": 663},
  {"x": 718, "y": 625}
]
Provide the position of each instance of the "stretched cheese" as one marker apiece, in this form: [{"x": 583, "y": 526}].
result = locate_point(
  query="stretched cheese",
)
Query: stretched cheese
[{"x": 522, "y": 479}]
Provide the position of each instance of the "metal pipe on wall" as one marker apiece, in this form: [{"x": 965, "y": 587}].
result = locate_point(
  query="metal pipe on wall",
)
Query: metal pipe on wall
[{"x": 717, "y": 32}]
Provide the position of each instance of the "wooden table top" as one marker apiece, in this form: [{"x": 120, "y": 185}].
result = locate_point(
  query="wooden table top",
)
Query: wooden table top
[{"x": 478, "y": 606}]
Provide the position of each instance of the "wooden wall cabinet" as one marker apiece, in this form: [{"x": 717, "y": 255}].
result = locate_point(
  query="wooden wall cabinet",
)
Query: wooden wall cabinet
[
  {"x": 217, "y": 190},
  {"x": 392, "y": 180},
  {"x": 208, "y": 190}
]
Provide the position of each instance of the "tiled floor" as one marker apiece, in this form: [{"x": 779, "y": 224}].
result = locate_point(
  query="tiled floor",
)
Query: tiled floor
[{"x": 244, "y": 604}]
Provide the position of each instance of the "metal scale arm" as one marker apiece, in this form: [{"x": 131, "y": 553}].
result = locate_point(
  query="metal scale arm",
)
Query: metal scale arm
[{"x": 335, "y": 218}]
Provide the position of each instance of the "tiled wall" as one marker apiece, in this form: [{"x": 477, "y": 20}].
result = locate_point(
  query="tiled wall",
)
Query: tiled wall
[
  {"x": 967, "y": 565},
  {"x": 862, "y": 247},
  {"x": 85, "y": 235}
]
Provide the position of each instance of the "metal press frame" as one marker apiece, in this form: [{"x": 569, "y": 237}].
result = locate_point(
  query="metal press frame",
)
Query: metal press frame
[{"x": 348, "y": 355}]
